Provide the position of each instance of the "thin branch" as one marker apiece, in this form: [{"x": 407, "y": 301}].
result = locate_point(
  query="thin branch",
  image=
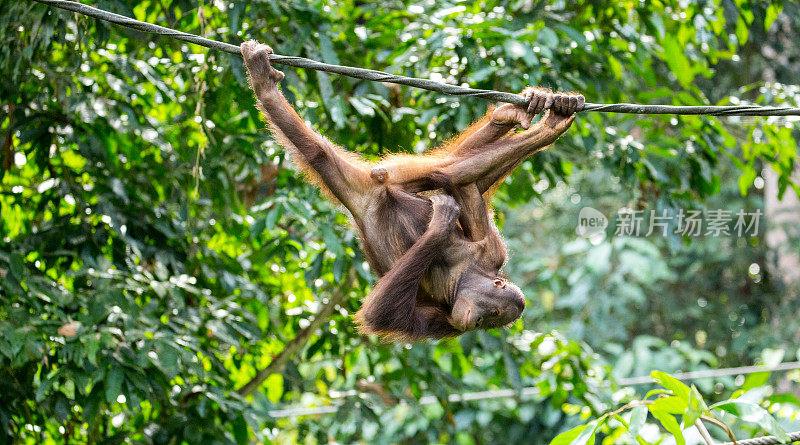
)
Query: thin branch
[
  {"x": 379, "y": 390},
  {"x": 704, "y": 432},
  {"x": 8, "y": 142},
  {"x": 724, "y": 427}
]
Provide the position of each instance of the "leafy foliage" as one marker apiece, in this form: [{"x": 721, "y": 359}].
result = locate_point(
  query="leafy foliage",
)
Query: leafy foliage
[
  {"x": 674, "y": 398},
  {"x": 157, "y": 250}
]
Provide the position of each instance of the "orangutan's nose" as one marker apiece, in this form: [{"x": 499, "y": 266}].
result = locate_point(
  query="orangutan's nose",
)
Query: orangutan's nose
[
  {"x": 520, "y": 303},
  {"x": 513, "y": 308}
]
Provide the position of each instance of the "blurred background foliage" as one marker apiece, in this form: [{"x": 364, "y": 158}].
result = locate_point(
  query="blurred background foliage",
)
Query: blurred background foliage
[{"x": 157, "y": 249}]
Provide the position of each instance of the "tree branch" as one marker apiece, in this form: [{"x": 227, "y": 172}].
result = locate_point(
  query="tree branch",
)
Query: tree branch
[
  {"x": 379, "y": 390},
  {"x": 8, "y": 142},
  {"x": 726, "y": 428},
  {"x": 704, "y": 432}
]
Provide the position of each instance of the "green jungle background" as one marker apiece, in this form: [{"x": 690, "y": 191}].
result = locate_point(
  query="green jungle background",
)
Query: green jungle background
[{"x": 157, "y": 249}]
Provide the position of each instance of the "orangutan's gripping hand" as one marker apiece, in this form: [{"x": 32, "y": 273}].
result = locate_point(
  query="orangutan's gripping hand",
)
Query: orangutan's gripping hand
[
  {"x": 561, "y": 106},
  {"x": 263, "y": 77}
]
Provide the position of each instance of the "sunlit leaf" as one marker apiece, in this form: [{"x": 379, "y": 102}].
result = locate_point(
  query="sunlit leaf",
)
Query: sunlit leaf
[
  {"x": 672, "y": 405},
  {"x": 678, "y": 388},
  {"x": 670, "y": 424},
  {"x": 752, "y": 412},
  {"x": 274, "y": 384},
  {"x": 580, "y": 435},
  {"x": 638, "y": 418}
]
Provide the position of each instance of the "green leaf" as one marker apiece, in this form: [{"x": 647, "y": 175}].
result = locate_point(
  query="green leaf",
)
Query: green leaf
[
  {"x": 92, "y": 405},
  {"x": 638, "y": 418},
  {"x": 332, "y": 240},
  {"x": 517, "y": 50},
  {"x": 580, "y": 435},
  {"x": 696, "y": 407},
  {"x": 331, "y": 101},
  {"x": 752, "y": 412},
  {"x": 61, "y": 407},
  {"x": 193, "y": 434},
  {"x": 313, "y": 272},
  {"x": 167, "y": 360},
  {"x": 92, "y": 345},
  {"x": 746, "y": 179},
  {"x": 771, "y": 14},
  {"x": 274, "y": 385},
  {"x": 670, "y": 404},
  {"x": 44, "y": 388},
  {"x": 514, "y": 49},
  {"x": 670, "y": 424},
  {"x": 742, "y": 31},
  {"x": 654, "y": 392},
  {"x": 114, "y": 383},
  {"x": 547, "y": 37},
  {"x": 338, "y": 268},
  {"x": 658, "y": 23},
  {"x": 16, "y": 263},
  {"x": 615, "y": 66},
  {"x": 363, "y": 107},
  {"x": 326, "y": 47},
  {"x": 677, "y": 61},
  {"x": 573, "y": 34},
  {"x": 512, "y": 369},
  {"x": 272, "y": 216},
  {"x": 240, "y": 429},
  {"x": 785, "y": 398},
  {"x": 678, "y": 388},
  {"x": 234, "y": 16}
]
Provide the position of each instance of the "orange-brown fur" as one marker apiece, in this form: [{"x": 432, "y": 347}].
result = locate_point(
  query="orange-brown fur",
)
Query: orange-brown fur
[
  {"x": 302, "y": 164},
  {"x": 404, "y": 166}
]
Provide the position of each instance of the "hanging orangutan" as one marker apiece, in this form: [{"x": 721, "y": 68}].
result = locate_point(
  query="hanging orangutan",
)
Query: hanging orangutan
[{"x": 425, "y": 221}]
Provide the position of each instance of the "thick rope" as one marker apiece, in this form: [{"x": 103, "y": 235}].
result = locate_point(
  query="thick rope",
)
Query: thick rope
[
  {"x": 766, "y": 440},
  {"x": 380, "y": 76}
]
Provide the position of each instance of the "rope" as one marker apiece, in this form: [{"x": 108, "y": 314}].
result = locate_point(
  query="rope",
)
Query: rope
[
  {"x": 766, "y": 440},
  {"x": 380, "y": 76}
]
